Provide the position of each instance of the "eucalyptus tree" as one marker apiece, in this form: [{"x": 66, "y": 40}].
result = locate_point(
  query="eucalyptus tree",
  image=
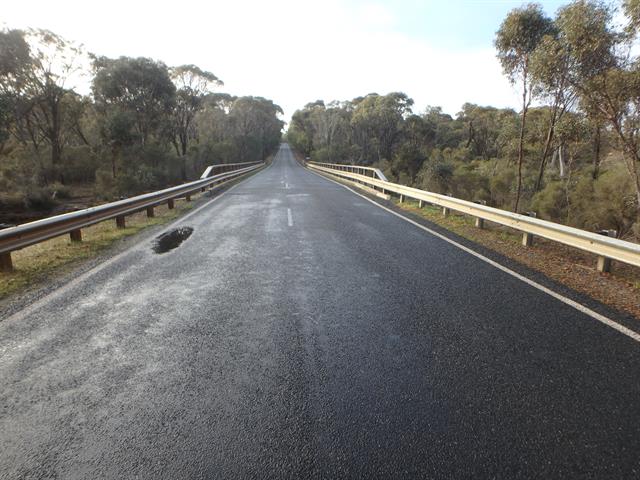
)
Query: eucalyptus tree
[
  {"x": 485, "y": 135},
  {"x": 551, "y": 74},
  {"x": 377, "y": 123},
  {"x": 142, "y": 88},
  {"x": 256, "y": 128},
  {"x": 605, "y": 73},
  {"x": 38, "y": 71},
  {"x": 192, "y": 86},
  {"x": 301, "y": 129},
  {"x": 14, "y": 63},
  {"x": 516, "y": 40}
]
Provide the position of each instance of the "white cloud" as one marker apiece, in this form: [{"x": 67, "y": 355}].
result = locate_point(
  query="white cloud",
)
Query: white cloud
[{"x": 290, "y": 51}]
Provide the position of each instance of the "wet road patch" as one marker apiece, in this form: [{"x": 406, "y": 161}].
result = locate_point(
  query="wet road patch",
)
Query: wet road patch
[{"x": 171, "y": 239}]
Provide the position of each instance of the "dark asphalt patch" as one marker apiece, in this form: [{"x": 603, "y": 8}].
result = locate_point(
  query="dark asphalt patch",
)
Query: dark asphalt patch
[{"x": 172, "y": 239}]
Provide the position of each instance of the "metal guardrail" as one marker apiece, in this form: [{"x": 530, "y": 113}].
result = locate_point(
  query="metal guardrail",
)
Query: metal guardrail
[
  {"x": 20, "y": 236},
  {"x": 601, "y": 245},
  {"x": 225, "y": 167},
  {"x": 367, "y": 171}
]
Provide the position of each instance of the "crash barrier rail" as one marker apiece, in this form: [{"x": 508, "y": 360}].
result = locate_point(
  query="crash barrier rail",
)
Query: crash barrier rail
[
  {"x": 601, "y": 243},
  {"x": 20, "y": 236},
  {"x": 366, "y": 171},
  {"x": 225, "y": 167}
]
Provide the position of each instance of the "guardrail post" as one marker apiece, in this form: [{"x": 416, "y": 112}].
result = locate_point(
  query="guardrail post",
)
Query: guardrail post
[
  {"x": 120, "y": 223},
  {"x": 445, "y": 211},
  {"x": 419, "y": 203},
  {"x": 527, "y": 238},
  {"x": 604, "y": 263},
  {"x": 76, "y": 235},
  {"x": 150, "y": 212},
  {"x": 401, "y": 198},
  {"x": 480, "y": 221},
  {"x": 170, "y": 204},
  {"x": 6, "y": 265},
  {"x": 187, "y": 197}
]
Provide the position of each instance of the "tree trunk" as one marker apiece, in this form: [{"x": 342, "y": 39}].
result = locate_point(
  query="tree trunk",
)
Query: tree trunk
[
  {"x": 114, "y": 156},
  {"x": 184, "y": 143},
  {"x": 596, "y": 152},
  {"x": 525, "y": 107},
  {"x": 545, "y": 154},
  {"x": 556, "y": 113}
]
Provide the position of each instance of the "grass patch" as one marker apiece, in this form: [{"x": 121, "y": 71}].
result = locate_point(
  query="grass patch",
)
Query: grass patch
[
  {"x": 463, "y": 225},
  {"x": 40, "y": 262}
]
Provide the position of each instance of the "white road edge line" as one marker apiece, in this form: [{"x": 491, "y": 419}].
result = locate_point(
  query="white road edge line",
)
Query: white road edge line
[
  {"x": 101, "y": 266},
  {"x": 289, "y": 217},
  {"x": 578, "y": 306}
]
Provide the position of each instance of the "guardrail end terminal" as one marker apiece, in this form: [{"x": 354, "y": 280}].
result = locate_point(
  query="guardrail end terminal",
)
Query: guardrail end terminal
[
  {"x": 76, "y": 235},
  {"x": 120, "y": 222},
  {"x": 6, "y": 264},
  {"x": 151, "y": 212}
]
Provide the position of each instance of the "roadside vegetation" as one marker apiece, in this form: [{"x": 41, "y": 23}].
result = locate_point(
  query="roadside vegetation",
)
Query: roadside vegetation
[
  {"x": 571, "y": 152},
  {"x": 140, "y": 126}
]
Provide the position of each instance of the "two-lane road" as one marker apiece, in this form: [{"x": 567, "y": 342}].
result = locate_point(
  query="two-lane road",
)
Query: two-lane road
[{"x": 302, "y": 331}]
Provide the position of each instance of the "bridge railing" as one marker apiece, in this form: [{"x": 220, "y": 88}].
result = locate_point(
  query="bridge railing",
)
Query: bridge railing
[
  {"x": 20, "y": 236},
  {"x": 600, "y": 244},
  {"x": 367, "y": 171},
  {"x": 226, "y": 167}
]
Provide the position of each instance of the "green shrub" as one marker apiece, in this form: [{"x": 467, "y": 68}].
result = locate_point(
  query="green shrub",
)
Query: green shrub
[
  {"x": 552, "y": 203},
  {"x": 502, "y": 187},
  {"x": 436, "y": 176},
  {"x": 614, "y": 202},
  {"x": 469, "y": 184}
]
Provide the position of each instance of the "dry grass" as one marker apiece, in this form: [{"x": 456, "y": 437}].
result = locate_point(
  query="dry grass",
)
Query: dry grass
[{"x": 576, "y": 269}]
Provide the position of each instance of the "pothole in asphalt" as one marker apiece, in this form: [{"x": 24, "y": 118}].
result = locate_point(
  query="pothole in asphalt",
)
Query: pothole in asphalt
[{"x": 172, "y": 239}]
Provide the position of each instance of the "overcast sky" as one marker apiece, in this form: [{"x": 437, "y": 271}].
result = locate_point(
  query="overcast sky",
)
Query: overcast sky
[{"x": 439, "y": 52}]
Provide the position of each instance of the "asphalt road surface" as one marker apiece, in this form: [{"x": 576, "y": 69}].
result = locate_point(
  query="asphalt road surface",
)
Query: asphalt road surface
[{"x": 303, "y": 332}]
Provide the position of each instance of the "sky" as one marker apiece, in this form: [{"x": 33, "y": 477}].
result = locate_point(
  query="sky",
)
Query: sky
[{"x": 439, "y": 52}]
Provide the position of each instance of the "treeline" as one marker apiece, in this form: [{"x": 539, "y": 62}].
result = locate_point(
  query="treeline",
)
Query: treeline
[
  {"x": 571, "y": 153},
  {"x": 144, "y": 125}
]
